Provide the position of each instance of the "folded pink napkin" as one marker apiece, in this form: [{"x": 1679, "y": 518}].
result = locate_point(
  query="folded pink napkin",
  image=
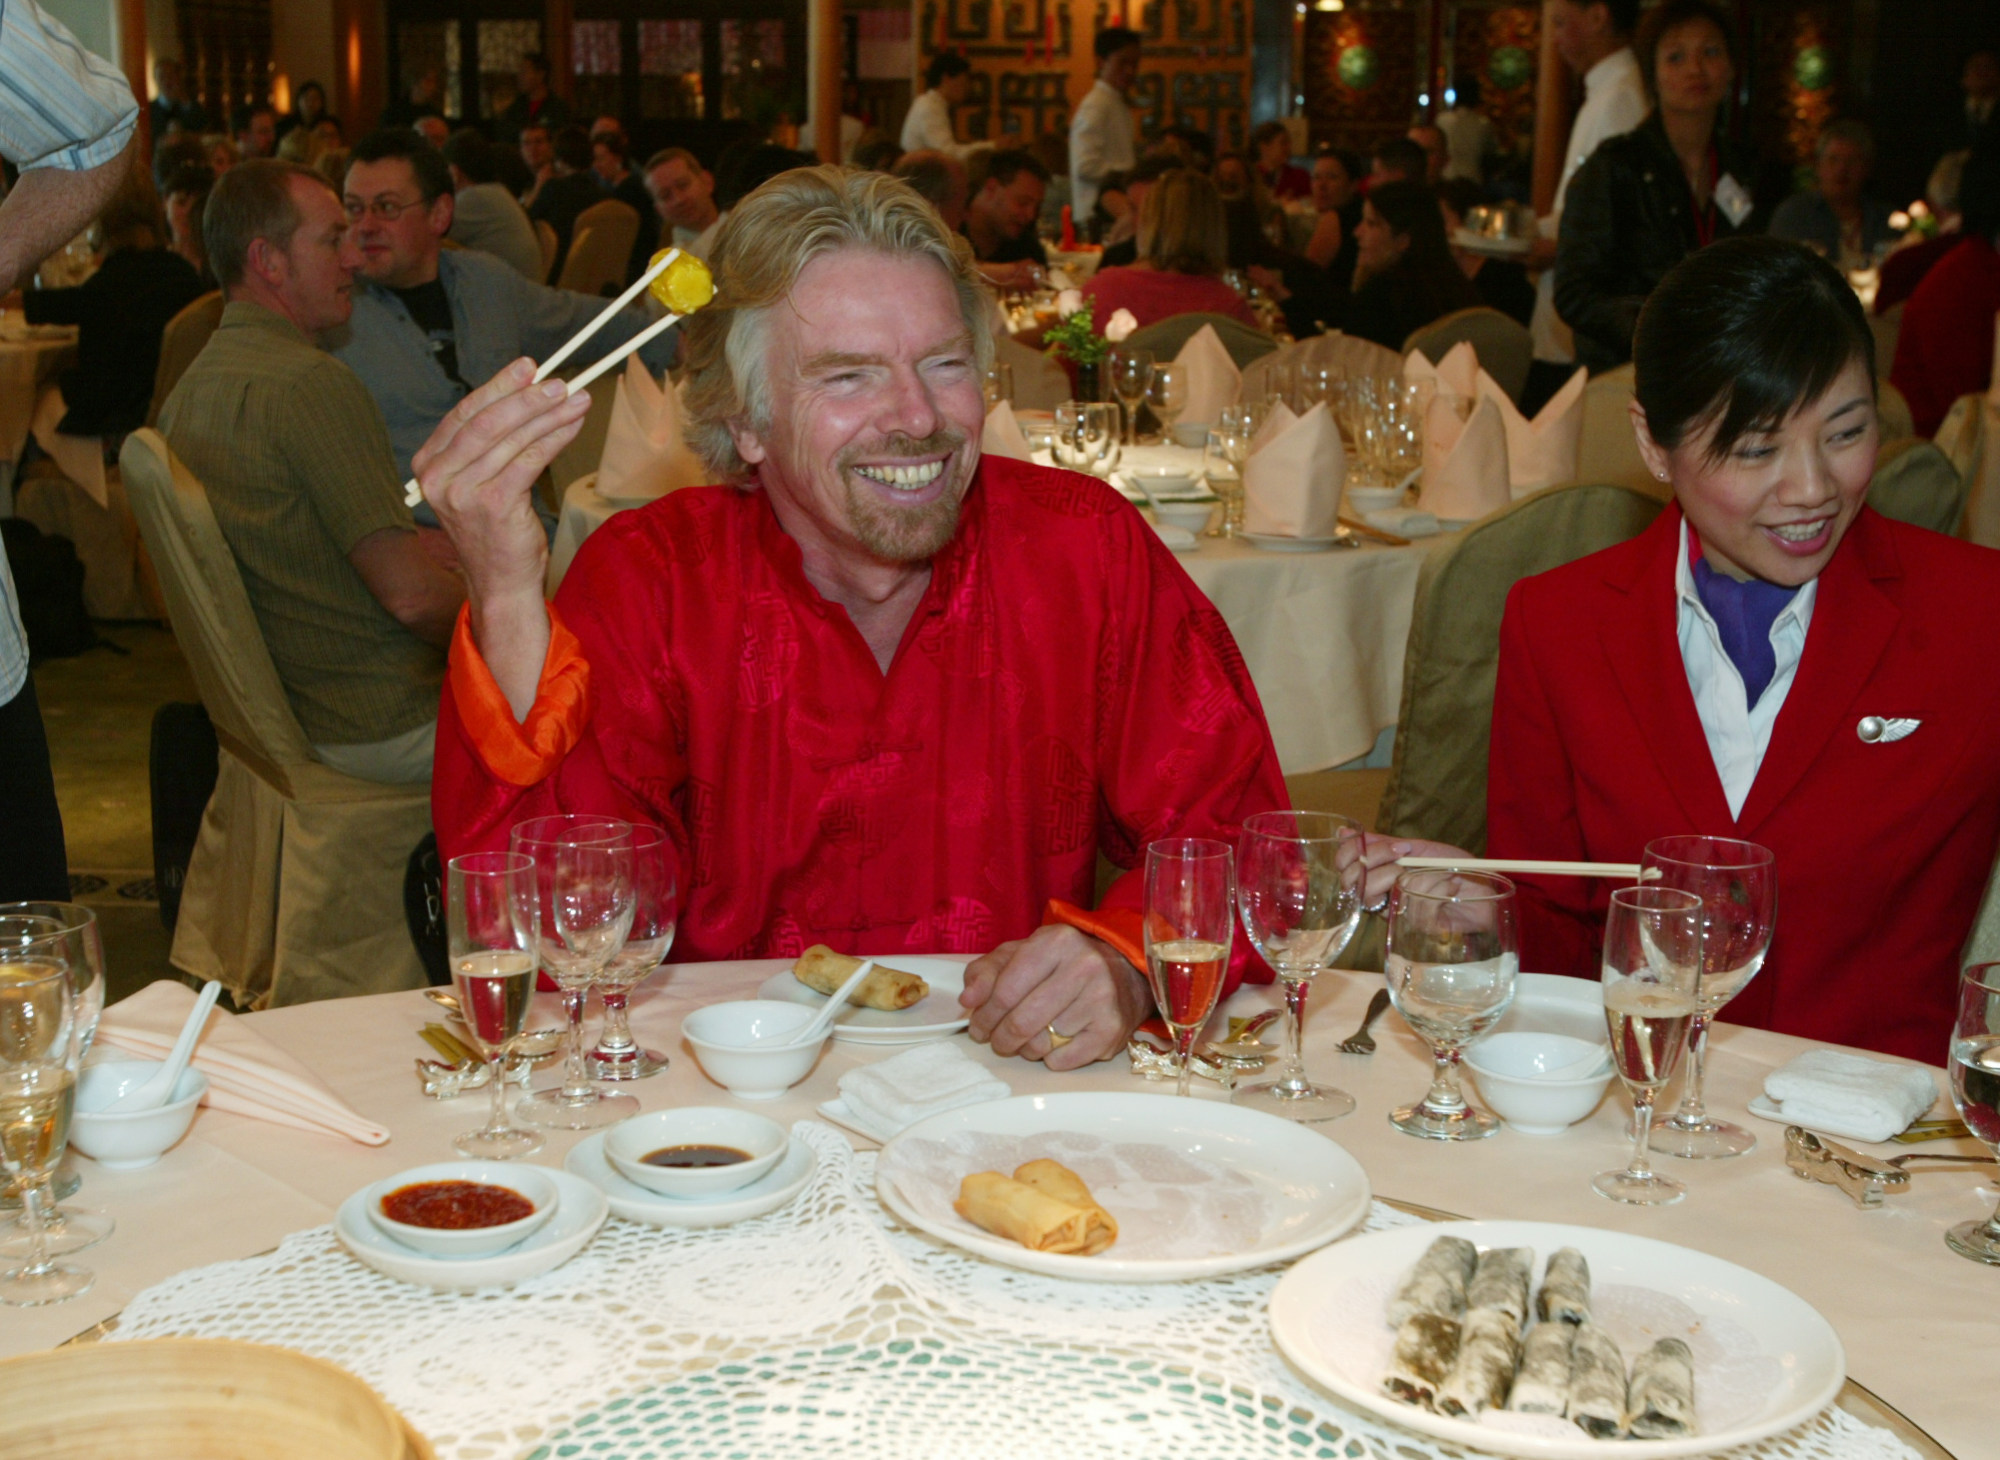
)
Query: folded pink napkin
[
  {"x": 247, "y": 1074},
  {"x": 1002, "y": 435},
  {"x": 644, "y": 454},
  {"x": 1213, "y": 379},
  {"x": 1292, "y": 485},
  {"x": 1465, "y": 462},
  {"x": 1542, "y": 452},
  {"x": 1456, "y": 374}
]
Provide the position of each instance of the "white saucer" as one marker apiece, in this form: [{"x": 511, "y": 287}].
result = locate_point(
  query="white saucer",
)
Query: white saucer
[
  {"x": 1271, "y": 544},
  {"x": 937, "y": 1014},
  {"x": 634, "y": 1203},
  {"x": 580, "y": 1211}
]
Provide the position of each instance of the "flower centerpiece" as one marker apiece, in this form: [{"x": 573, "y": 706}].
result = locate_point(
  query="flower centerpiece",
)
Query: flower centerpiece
[{"x": 1074, "y": 338}]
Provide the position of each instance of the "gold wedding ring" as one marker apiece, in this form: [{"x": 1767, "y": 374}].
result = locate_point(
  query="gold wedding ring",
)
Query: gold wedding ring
[{"x": 1057, "y": 1041}]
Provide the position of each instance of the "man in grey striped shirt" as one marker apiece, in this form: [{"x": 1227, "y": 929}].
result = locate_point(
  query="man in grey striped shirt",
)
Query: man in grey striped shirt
[{"x": 66, "y": 121}]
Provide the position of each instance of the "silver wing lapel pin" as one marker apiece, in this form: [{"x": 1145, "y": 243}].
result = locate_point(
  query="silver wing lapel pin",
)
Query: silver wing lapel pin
[{"x": 1877, "y": 730}]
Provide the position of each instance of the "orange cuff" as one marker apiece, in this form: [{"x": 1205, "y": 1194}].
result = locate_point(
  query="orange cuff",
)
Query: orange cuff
[
  {"x": 521, "y": 754},
  {"x": 1122, "y": 927}
]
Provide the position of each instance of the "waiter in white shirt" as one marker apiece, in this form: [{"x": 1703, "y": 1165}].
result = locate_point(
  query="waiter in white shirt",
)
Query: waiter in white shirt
[
  {"x": 1594, "y": 38},
  {"x": 928, "y": 127},
  {"x": 1102, "y": 139}
]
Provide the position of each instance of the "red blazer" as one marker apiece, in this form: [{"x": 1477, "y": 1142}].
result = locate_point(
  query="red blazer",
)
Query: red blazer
[{"x": 1883, "y": 850}]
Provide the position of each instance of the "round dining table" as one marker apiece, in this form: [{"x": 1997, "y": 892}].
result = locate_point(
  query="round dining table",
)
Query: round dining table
[
  {"x": 1916, "y": 1321},
  {"x": 30, "y": 357}
]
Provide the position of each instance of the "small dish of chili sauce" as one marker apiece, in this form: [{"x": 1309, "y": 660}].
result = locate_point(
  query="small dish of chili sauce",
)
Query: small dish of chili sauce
[{"x": 455, "y": 1205}]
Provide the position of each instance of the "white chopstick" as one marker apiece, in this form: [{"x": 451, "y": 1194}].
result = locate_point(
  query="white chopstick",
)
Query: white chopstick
[
  {"x": 1624, "y": 871},
  {"x": 413, "y": 494}
]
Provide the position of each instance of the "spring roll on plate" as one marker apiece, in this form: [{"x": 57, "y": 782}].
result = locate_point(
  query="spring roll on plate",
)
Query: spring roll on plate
[
  {"x": 823, "y": 971},
  {"x": 1032, "y": 1215}
]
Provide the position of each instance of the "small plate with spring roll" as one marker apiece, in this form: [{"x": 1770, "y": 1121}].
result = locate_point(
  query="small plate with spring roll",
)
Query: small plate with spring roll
[
  {"x": 905, "y": 1001},
  {"x": 1554, "y": 1342}
]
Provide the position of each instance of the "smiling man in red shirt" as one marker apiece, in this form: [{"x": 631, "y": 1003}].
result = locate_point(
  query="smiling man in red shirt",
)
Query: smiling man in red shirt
[{"x": 884, "y": 693}]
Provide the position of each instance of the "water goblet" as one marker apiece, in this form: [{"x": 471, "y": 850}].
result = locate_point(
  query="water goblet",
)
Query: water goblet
[
  {"x": 998, "y": 385},
  {"x": 655, "y": 906},
  {"x": 1454, "y": 953},
  {"x": 1975, "y": 1090},
  {"x": 40, "y": 1052},
  {"x": 1101, "y": 437},
  {"x": 1131, "y": 373},
  {"x": 1167, "y": 394},
  {"x": 1317, "y": 383},
  {"x": 583, "y": 884},
  {"x": 1222, "y": 466},
  {"x": 1299, "y": 913},
  {"x": 1737, "y": 883},
  {"x": 493, "y": 923},
  {"x": 1189, "y": 925},
  {"x": 1652, "y": 972},
  {"x": 1072, "y": 447}
]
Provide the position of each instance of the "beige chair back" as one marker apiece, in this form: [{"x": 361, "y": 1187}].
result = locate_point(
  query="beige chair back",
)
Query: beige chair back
[
  {"x": 1039, "y": 383},
  {"x": 1437, "y": 778},
  {"x": 1165, "y": 337},
  {"x": 551, "y": 245},
  {"x": 1502, "y": 344},
  {"x": 184, "y": 338},
  {"x": 1887, "y": 327},
  {"x": 1970, "y": 440},
  {"x": 1608, "y": 450},
  {"x": 600, "y": 247},
  {"x": 1893, "y": 412},
  {"x": 1915, "y": 483},
  {"x": 1348, "y": 354}
]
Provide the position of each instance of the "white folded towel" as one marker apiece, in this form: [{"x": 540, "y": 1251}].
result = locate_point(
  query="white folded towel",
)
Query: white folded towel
[
  {"x": 897, "y": 1092},
  {"x": 1869, "y": 1099}
]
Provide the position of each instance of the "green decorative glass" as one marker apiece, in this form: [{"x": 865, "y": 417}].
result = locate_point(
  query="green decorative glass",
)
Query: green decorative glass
[{"x": 1358, "y": 67}]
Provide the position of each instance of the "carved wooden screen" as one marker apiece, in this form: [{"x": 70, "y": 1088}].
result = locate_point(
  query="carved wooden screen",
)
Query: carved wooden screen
[
  {"x": 1498, "y": 44},
  {"x": 226, "y": 48},
  {"x": 1799, "y": 56},
  {"x": 1363, "y": 69}
]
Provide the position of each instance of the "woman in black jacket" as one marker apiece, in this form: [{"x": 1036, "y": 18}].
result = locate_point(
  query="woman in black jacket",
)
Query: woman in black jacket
[
  {"x": 1404, "y": 276},
  {"x": 1646, "y": 200}
]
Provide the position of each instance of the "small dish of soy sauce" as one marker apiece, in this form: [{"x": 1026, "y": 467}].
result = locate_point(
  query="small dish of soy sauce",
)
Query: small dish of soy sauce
[{"x": 695, "y": 1153}]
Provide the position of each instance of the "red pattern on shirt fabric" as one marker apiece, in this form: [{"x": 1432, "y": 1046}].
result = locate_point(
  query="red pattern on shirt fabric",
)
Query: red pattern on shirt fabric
[{"x": 1063, "y": 689}]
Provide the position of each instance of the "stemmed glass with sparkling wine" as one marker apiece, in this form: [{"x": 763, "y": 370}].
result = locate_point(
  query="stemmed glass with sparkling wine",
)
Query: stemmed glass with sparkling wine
[
  {"x": 1299, "y": 914},
  {"x": 655, "y": 906},
  {"x": 1167, "y": 394},
  {"x": 1454, "y": 953},
  {"x": 41, "y": 1048},
  {"x": 1131, "y": 373},
  {"x": 1652, "y": 977},
  {"x": 583, "y": 883},
  {"x": 1189, "y": 925},
  {"x": 1975, "y": 1090},
  {"x": 1737, "y": 883},
  {"x": 1222, "y": 467},
  {"x": 493, "y": 927}
]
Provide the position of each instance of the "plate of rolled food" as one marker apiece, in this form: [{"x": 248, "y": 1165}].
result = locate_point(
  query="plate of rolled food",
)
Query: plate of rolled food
[
  {"x": 1555, "y": 1342},
  {"x": 1110, "y": 1187},
  {"x": 904, "y": 1001}
]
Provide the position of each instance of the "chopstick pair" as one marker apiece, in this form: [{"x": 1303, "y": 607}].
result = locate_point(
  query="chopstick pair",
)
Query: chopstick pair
[
  {"x": 1624, "y": 871},
  {"x": 1390, "y": 538},
  {"x": 413, "y": 494}
]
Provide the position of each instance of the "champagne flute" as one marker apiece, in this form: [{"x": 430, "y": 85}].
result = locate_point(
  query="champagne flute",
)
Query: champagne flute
[
  {"x": 1189, "y": 924},
  {"x": 1222, "y": 466},
  {"x": 1652, "y": 977},
  {"x": 583, "y": 883},
  {"x": 1167, "y": 394},
  {"x": 1975, "y": 1090},
  {"x": 40, "y": 1050},
  {"x": 1131, "y": 373},
  {"x": 493, "y": 922},
  {"x": 655, "y": 906},
  {"x": 1737, "y": 883},
  {"x": 1454, "y": 953},
  {"x": 1299, "y": 914}
]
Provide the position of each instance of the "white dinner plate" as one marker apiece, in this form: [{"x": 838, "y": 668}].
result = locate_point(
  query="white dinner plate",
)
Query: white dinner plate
[
  {"x": 937, "y": 1014},
  {"x": 580, "y": 1211},
  {"x": 1780, "y": 1362},
  {"x": 1304, "y": 1189},
  {"x": 1273, "y": 544},
  {"x": 636, "y": 1204}
]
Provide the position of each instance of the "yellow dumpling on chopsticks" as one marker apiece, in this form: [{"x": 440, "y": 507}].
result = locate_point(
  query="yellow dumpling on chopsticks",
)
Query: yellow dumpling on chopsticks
[{"x": 685, "y": 285}]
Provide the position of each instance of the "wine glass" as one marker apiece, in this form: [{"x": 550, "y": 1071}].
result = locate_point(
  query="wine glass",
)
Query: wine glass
[
  {"x": 1083, "y": 430},
  {"x": 1975, "y": 1090},
  {"x": 1189, "y": 924},
  {"x": 1318, "y": 383},
  {"x": 1299, "y": 914},
  {"x": 1101, "y": 434},
  {"x": 998, "y": 385},
  {"x": 1652, "y": 974},
  {"x": 1281, "y": 382},
  {"x": 493, "y": 924},
  {"x": 1131, "y": 373},
  {"x": 1453, "y": 957},
  {"x": 583, "y": 883},
  {"x": 1222, "y": 465},
  {"x": 41, "y": 1048},
  {"x": 1167, "y": 394},
  {"x": 655, "y": 906},
  {"x": 1737, "y": 883}
]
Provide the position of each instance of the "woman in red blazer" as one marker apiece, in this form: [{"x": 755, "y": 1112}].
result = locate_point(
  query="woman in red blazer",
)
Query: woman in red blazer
[{"x": 1771, "y": 660}]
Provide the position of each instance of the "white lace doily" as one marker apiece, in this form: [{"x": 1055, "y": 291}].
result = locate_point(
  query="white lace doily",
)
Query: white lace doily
[{"x": 822, "y": 1330}]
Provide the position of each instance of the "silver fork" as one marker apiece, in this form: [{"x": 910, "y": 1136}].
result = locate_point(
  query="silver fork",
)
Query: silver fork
[{"x": 1361, "y": 1041}]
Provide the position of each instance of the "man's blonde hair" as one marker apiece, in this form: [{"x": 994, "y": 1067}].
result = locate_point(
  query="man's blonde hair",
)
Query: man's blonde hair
[{"x": 765, "y": 244}]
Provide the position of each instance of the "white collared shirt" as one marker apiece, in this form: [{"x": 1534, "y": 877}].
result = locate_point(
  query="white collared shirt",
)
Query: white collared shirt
[
  {"x": 1738, "y": 733},
  {"x": 927, "y": 125},
  {"x": 1101, "y": 142}
]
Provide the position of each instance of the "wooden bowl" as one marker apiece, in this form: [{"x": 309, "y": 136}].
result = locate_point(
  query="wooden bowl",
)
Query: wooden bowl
[{"x": 194, "y": 1399}]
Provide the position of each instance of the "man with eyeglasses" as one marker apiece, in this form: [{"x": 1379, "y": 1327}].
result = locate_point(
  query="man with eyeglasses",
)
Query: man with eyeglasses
[{"x": 430, "y": 323}]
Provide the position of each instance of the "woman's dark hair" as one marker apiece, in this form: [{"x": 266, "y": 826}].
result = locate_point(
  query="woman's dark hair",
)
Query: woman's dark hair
[
  {"x": 1742, "y": 334},
  {"x": 1670, "y": 17},
  {"x": 1426, "y": 267},
  {"x": 945, "y": 64}
]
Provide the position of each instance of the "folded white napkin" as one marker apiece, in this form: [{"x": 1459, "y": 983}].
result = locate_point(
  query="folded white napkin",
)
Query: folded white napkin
[
  {"x": 1542, "y": 452},
  {"x": 1213, "y": 379},
  {"x": 247, "y": 1074},
  {"x": 1280, "y": 419},
  {"x": 1403, "y": 521},
  {"x": 1456, "y": 374},
  {"x": 1292, "y": 485},
  {"x": 80, "y": 458},
  {"x": 644, "y": 454},
  {"x": 1465, "y": 462},
  {"x": 897, "y": 1092},
  {"x": 1002, "y": 435},
  {"x": 1869, "y": 1099}
]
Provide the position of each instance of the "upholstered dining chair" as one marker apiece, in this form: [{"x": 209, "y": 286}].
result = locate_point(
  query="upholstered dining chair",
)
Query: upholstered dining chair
[
  {"x": 551, "y": 244},
  {"x": 295, "y": 889},
  {"x": 1916, "y": 483},
  {"x": 1040, "y": 384},
  {"x": 1502, "y": 344},
  {"x": 600, "y": 246},
  {"x": 1166, "y": 336},
  {"x": 1608, "y": 450},
  {"x": 1970, "y": 440},
  {"x": 184, "y": 338}
]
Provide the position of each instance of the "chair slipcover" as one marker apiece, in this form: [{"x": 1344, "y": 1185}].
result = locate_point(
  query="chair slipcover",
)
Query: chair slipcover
[
  {"x": 1970, "y": 440},
  {"x": 1164, "y": 337},
  {"x": 1915, "y": 483},
  {"x": 1437, "y": 777},
  {"x": 1609, "y": 451},
  {"x": 600, "y": 246},
  {"x": 1349, "y": 354},
  {"x": 551, "y": 245},
  {"x": 295, "y": 889},
  {"x": 184, "y": 338},
  {"x": 1502, "y": 344},
  {"x": 1039, "y": 383},
  {"x": 1892, "y": 412}
]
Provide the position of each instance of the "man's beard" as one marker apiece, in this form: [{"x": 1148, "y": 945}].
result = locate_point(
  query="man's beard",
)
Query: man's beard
[{"x": 906, "y": 534}]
